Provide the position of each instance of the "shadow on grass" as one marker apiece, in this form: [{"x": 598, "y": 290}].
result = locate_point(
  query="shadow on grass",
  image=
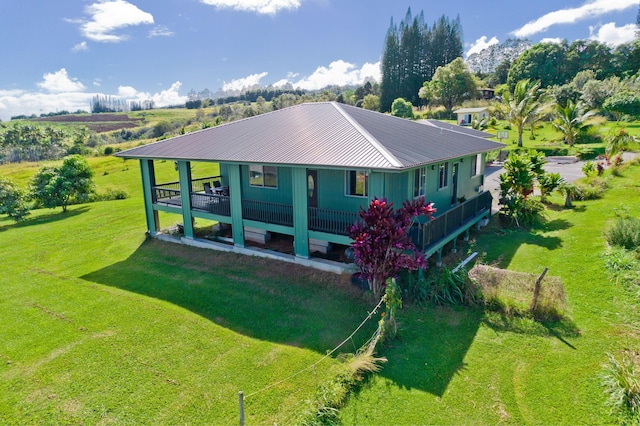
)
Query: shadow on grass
[
  {"x": 43, "y": 219},
  {"x": 561, "y": 330},
  {"x": 431, "y": 346},
  {"x": 259, "y": 298}
]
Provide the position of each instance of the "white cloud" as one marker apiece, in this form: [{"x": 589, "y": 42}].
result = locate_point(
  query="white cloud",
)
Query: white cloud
[
  {"x": 20, "y": 102},
  {"x": 552, "y": 40},
  {"x": 161, "y": 31},
  {"x": 590, "y": 9},
  {"x": 243, "y": 83},
  {"x": 481, "y": 44},
  {"x": 266, "y": 7},
  {"x": 59, "y": 82},
  {"x": 170, "y": 96},
  {"x": 80, "y": 47},
  {"x": 339, "y": 73},
  {"x": 613, "y": 35},
  {"x": 107, "y": 16}
]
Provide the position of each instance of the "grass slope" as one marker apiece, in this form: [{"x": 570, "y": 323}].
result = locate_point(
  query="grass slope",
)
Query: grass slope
[
  {"x": 98, "y": 325},
  {"x": 462, "y": 366}
]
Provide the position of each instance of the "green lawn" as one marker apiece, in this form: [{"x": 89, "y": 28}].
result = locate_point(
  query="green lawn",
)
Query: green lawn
[
  {"x": 464, "y": 366},
  {"x": 98, "y": 325}
]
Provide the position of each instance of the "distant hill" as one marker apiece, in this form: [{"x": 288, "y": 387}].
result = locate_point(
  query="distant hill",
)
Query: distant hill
[{"x": 487, "y": 60}]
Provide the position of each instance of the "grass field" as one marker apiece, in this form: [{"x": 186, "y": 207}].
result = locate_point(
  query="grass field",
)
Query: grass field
[
  {"x": 98, "y": 325},
  {"x": 465, "y": 366}
]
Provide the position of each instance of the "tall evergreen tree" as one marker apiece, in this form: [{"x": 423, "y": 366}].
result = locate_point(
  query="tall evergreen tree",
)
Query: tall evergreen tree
[{"x": 412, "y": 53}]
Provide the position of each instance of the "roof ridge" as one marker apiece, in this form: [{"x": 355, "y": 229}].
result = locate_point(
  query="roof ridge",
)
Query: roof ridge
[{"x": 373, "y": 141}]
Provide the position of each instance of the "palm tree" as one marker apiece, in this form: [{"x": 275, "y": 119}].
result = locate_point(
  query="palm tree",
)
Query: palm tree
[
  {"x": 619, "y": 141},
  {"x": 523, "y": 106},
  {"x": 573, "y": 119}
]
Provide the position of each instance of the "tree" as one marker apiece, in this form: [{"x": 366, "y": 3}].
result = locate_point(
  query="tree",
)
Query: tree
[
  {"x": 412, "y": 52},
  {"x": 451, "y": 84},
  {"x": 59, "y": 186},
  {"x": 402, "y": 108},
  {"x": 371, "y": 102},
  {"x": 522, "y": 106},
  {"x": 382, "y": 246},
  {"x": 619, "y": 141},
  {"x": 623, "y": 103},
  {"x": 573, "y": 119},
  {"x": 12, "y": 200},
  {"x": 544, "y": 62}
]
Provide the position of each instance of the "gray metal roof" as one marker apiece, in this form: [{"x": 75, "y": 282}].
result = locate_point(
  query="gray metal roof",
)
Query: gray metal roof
[
  {"x": 455, "y": 128},
  {"x": 325, "y": 134}
]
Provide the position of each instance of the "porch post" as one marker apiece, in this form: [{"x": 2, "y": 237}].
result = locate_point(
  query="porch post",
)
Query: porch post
[
  {"x": 148, "y": 182},
  {"x": 184, "y": 173},
  {"x": 235, "y": 194},
  {"x": 300, "y": 212}
]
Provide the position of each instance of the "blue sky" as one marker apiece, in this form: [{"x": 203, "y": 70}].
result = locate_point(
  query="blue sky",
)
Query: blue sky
[{"x": 57, "y": 55}]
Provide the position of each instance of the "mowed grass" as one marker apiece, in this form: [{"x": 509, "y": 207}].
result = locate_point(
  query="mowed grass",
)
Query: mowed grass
[
  {"x": 100, "y": 326},
  {"x": 465, "y": 366}
]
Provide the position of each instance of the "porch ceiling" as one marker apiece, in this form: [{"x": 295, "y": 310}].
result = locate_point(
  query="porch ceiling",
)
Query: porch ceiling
[{"x": 319, "y": 135}]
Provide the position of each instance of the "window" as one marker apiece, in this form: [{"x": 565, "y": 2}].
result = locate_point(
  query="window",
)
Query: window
[
  {"x": 265, "y": 176},
  {"x": 357, "y": 183},
  {"x": 443, "y": 175},
  {"x": 476, "y": 165},
  {"x": 419, "y": 182}
]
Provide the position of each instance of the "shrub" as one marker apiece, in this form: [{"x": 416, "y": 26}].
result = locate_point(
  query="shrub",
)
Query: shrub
[
  {"x": 592, "y": 189},
  {"x": 621, "y": 380},
  {"x": 109, "y": 195},
  {"x": 12, "y": 200},
  {"x": 108, "y": 150},
  {"x": 625, "y": 232},
  {"x": 590, "y": 135},
  {"x": 589, "y": 169}
]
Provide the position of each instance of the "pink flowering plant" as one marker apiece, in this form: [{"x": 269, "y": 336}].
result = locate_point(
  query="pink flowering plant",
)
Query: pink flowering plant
[{"x": 382, "y": 246}]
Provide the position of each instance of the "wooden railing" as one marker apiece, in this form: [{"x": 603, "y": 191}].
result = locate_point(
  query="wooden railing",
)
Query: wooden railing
[
  {"x": 268, "y": 212},
  {"x": 331, "y": 221},
  {"x": 445, "y": 224}
]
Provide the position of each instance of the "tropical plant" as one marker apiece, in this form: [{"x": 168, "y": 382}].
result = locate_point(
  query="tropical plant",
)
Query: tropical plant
[
  {"x": 548, "y": 183},
  {"x": 59, "y": 186},
  {"x": 619, "y": 141},
  {"x": 523, "y": 106},
  {"x": 382, "y": 246},
  {"x": 570, "y": 192},
  {"x": 572, "y": 119}
]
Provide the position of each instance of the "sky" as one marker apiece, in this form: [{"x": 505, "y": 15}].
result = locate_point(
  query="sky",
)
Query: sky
[{"x": 58, "y": 55}]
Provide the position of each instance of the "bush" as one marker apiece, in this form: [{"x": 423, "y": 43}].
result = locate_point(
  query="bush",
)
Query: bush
[
  {"x": 441, "y": 287},
  {"x": 589, "y": 168},
  {"x": 108, "y": 150},
  {"x": 621, "y": 380},
  {"x": 109, "y": 195},
  {"x": 590, "y": 135},
  {"x": 592, "y": 189},
  {"x": 625, "y": 232}
]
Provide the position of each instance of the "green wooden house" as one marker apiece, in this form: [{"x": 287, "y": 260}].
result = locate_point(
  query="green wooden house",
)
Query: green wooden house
[{"x": 305, "y": 171}]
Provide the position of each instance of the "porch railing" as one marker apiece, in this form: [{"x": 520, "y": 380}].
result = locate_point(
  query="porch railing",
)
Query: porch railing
[
  {"x": 268, "y": 212},
  {"x": 440, "y": 227},
  {"x": 331, "y": 221},
  {"x": 164, "y": 194},
  {"x": 197, "y": 185},
  {"x": 212, "y": 203}
]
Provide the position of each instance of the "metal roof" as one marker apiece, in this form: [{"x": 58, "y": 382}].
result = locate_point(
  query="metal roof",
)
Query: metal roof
[
  {"x": 455, "y": 128},
  {"x": 470, "y": 110},
  {"x": 325, "y": 134}
]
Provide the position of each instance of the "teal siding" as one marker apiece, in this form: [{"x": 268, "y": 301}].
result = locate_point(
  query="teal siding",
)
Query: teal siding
[
  {"x": 331, "y": 192},
  {"x": 282, "y": 194}
]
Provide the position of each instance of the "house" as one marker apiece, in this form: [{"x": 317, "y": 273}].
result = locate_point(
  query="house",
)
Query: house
[
  {"x": 467, "y": 115},
  {"x": 455, "y": 128},
  {"x": 305, "y": 171},
  {"x": 487, "y": 93}
]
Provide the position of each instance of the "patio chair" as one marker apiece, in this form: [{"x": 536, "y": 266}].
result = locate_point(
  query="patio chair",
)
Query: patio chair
[{"x": 207, "y": 188}]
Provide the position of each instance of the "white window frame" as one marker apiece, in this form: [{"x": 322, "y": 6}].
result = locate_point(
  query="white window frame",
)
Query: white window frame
[
  {"x": 261, "y": 170},
  {"x": 347, "y": 183},
  {"x": 477, "y": 163},
  {"x": 421, "y": 187},
  {"x": 443, "y": 167}
]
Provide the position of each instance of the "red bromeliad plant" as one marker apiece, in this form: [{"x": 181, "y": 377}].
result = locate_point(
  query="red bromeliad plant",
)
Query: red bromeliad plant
[{"x": 382, "y": 246}]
